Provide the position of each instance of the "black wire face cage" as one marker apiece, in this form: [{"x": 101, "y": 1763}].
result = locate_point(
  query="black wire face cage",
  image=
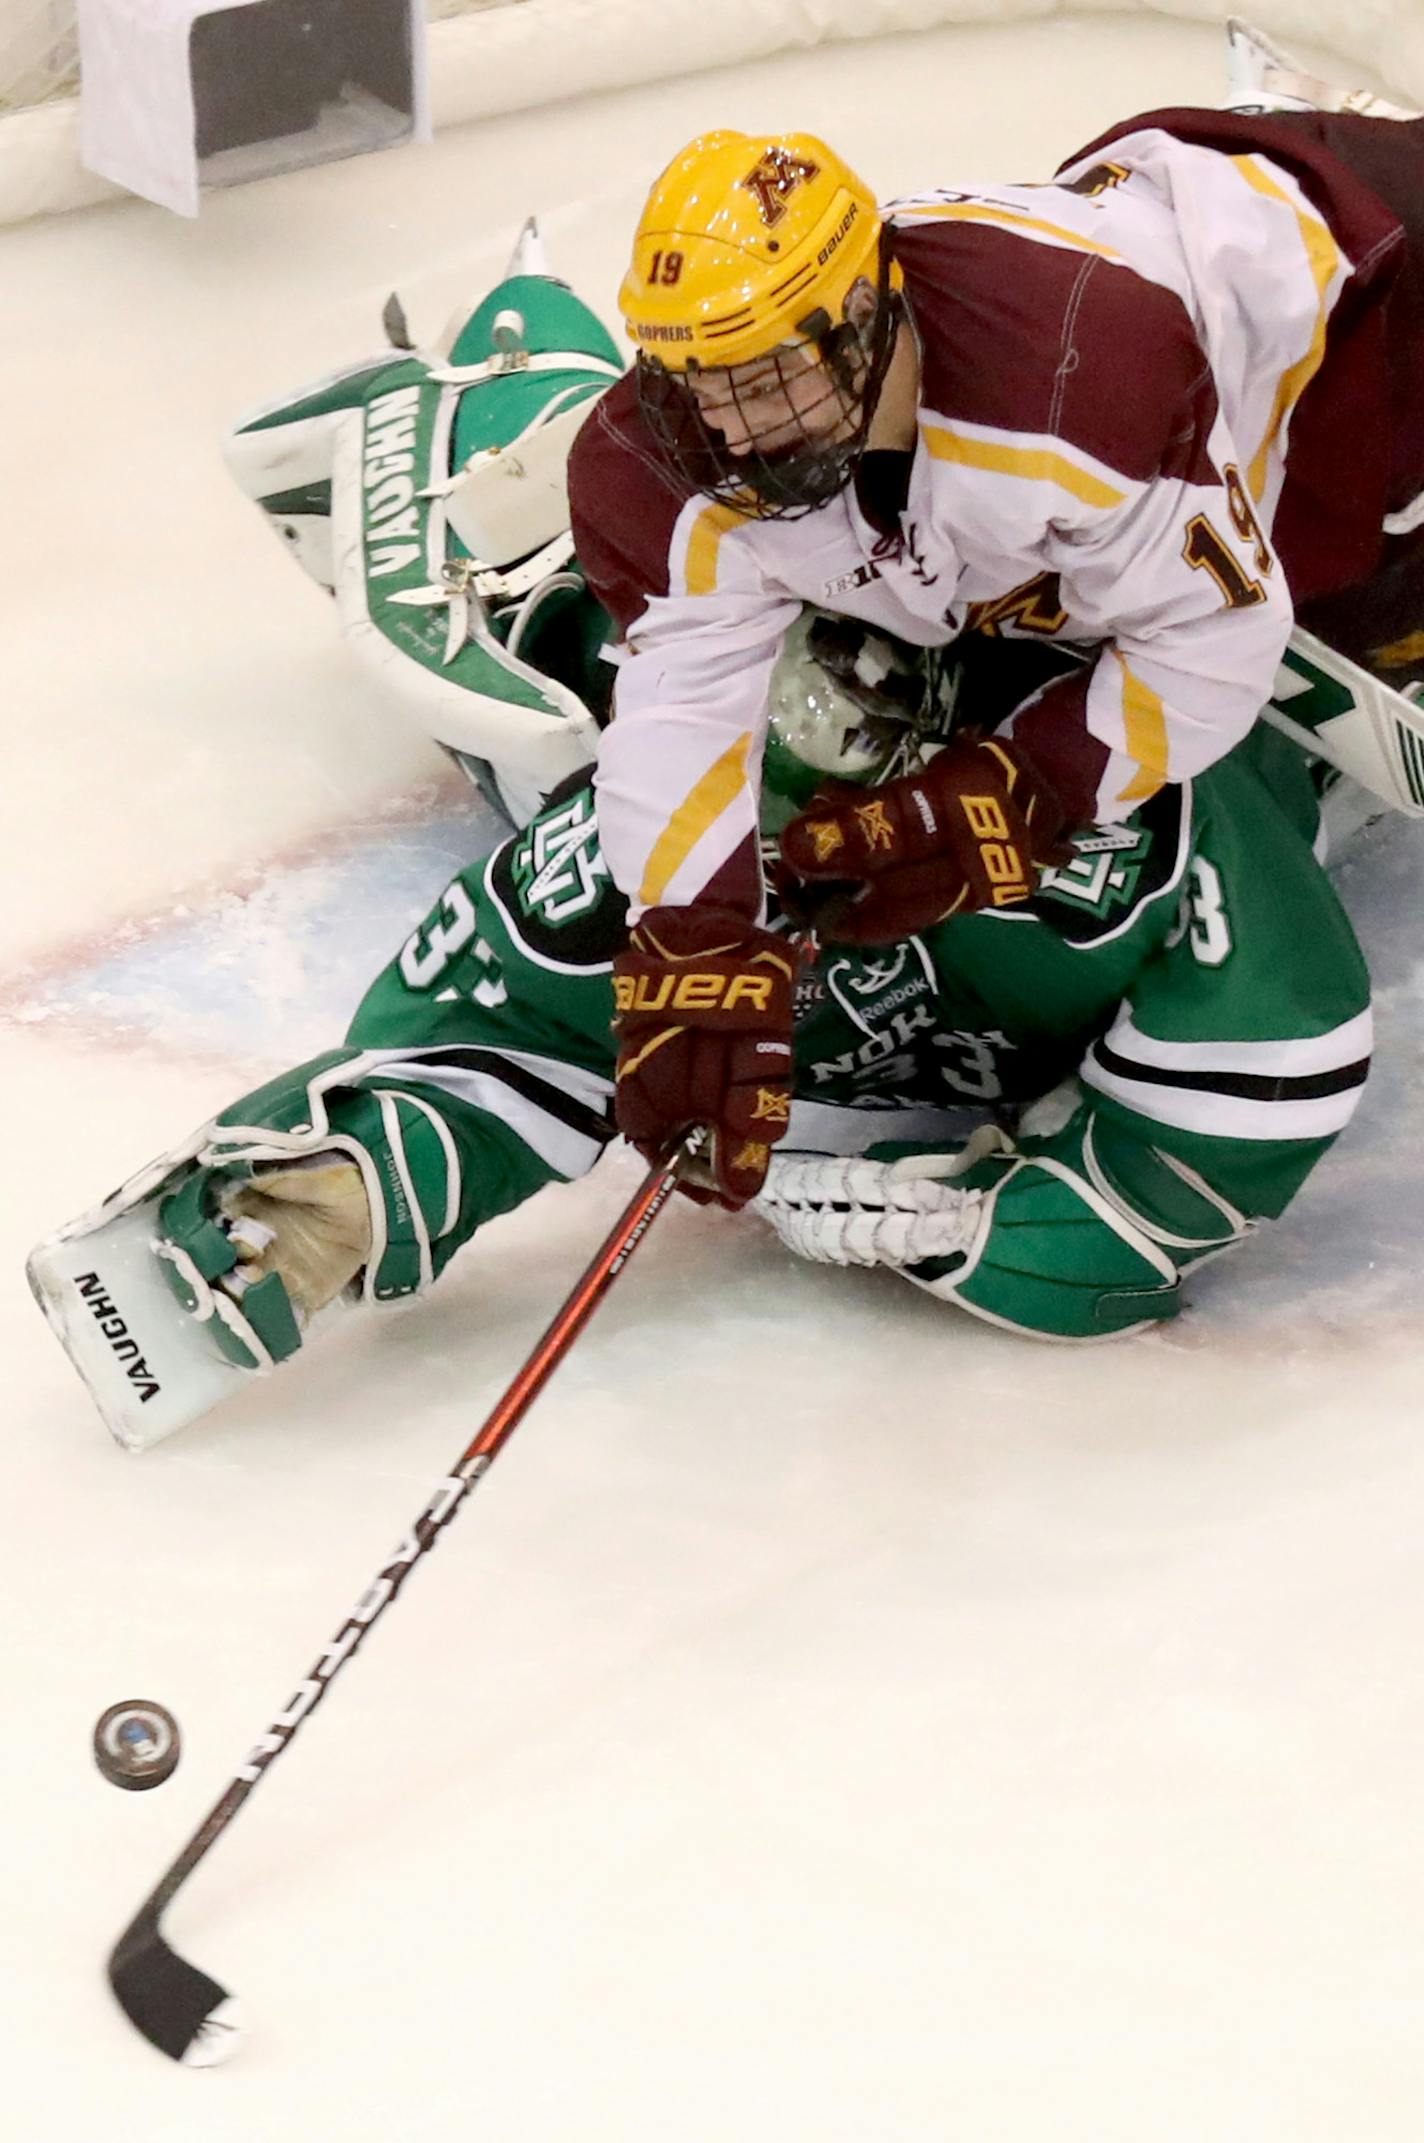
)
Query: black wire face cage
[{"x": 799, "y": 477}]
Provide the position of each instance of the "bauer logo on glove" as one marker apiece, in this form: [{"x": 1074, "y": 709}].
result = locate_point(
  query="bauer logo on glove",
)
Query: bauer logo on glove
[
  {"x": 703, "y": 1018},
  {"x": 698, "y": 991}
]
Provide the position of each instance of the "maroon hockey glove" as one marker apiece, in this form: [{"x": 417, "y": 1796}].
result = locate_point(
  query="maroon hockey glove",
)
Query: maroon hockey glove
[
  {"x": 972, "y": 829},
  {"x": 703, "y": 1020}
]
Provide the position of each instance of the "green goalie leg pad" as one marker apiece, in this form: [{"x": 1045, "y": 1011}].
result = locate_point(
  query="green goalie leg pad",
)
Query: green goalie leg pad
[{"x": 1057, "y": 1257}]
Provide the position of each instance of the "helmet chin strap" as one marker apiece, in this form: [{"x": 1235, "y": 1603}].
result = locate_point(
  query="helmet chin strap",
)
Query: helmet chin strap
[{"x": 894, "y": 416}]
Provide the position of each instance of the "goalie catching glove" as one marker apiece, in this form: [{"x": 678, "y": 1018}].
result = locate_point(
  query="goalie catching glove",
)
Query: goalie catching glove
[
  {"x": 703, "y": 1021},
  {"x": 262, "y": 1255},
  {"x": 310, "y": 1223},
  {"x": 970, "y": 829}
]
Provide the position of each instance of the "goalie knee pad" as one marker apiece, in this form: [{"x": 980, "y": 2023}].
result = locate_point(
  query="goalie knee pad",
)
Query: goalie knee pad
[{"x": 1085, "y": 1238}]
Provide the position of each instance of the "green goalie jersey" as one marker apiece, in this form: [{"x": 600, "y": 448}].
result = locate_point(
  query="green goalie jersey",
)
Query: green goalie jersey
[{"x": 1187, "y": 988}]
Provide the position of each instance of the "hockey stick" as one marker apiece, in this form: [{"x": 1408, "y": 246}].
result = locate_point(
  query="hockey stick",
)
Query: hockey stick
[{"x": 179, "y": 2009}]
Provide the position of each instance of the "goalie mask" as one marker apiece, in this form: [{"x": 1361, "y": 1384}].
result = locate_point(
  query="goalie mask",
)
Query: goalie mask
[
  {"x": 764, "y": 310},
  {"x": 848, "y": 704}
]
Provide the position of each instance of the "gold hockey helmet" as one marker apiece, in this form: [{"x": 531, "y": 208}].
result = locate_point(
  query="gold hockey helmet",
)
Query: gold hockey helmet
[
  {"x": 747, "y": 243},
  {"x": 763, "y": 305}
]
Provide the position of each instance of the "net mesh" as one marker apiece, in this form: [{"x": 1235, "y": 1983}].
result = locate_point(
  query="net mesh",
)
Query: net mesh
[{"x": 39, "y": 46}]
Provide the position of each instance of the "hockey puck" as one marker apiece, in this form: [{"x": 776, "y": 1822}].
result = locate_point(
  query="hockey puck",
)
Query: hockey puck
[{"x": 137, "y": 1744}]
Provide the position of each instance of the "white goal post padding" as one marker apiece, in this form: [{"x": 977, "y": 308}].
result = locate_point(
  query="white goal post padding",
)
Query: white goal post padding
[{"x": 514, "y": 58}]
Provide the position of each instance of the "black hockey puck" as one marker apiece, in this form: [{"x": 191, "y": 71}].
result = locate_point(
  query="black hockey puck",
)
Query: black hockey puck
[{"x": 137, "y": 1744}]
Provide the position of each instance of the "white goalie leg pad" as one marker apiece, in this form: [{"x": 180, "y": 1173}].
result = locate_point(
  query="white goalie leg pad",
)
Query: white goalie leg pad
[
  {"x": 511, "y": 500},
  {"x": 1375, "y": 734},
  {"x": 482, "y": 701}
]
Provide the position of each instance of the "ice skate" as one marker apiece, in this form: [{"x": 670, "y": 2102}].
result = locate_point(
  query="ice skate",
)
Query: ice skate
[{"x": 1262, "y": 77}]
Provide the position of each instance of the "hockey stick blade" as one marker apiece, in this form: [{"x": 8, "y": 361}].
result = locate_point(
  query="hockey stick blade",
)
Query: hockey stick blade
[{"x": 177, "y": 2008}]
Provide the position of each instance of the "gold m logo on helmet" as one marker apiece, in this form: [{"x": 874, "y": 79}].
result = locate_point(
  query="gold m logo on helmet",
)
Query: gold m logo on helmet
[{"x": 774, "y": 178}]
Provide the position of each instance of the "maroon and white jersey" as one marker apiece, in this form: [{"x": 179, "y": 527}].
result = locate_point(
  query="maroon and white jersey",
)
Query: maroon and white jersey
[{"x": 1110, "y": 374}]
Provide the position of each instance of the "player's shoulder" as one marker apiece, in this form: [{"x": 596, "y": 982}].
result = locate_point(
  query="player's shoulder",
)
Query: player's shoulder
[
  {"x": 614, "y": 443},
  {"x": 1029, "y": 323},
  {"x": 1331, "y": 157},
  {"x": 609, "y": 434},
  {"x": 624, "y": 504}
]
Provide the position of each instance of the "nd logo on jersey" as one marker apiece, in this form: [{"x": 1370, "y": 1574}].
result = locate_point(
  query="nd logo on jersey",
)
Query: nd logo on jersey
[
  {"x": 1103, "y": 871},
  {"x": 558, "y": 868}
]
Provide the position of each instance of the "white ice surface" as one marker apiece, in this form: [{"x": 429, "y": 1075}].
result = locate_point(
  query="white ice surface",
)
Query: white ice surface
[{"x": 833, "y": 1720}]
